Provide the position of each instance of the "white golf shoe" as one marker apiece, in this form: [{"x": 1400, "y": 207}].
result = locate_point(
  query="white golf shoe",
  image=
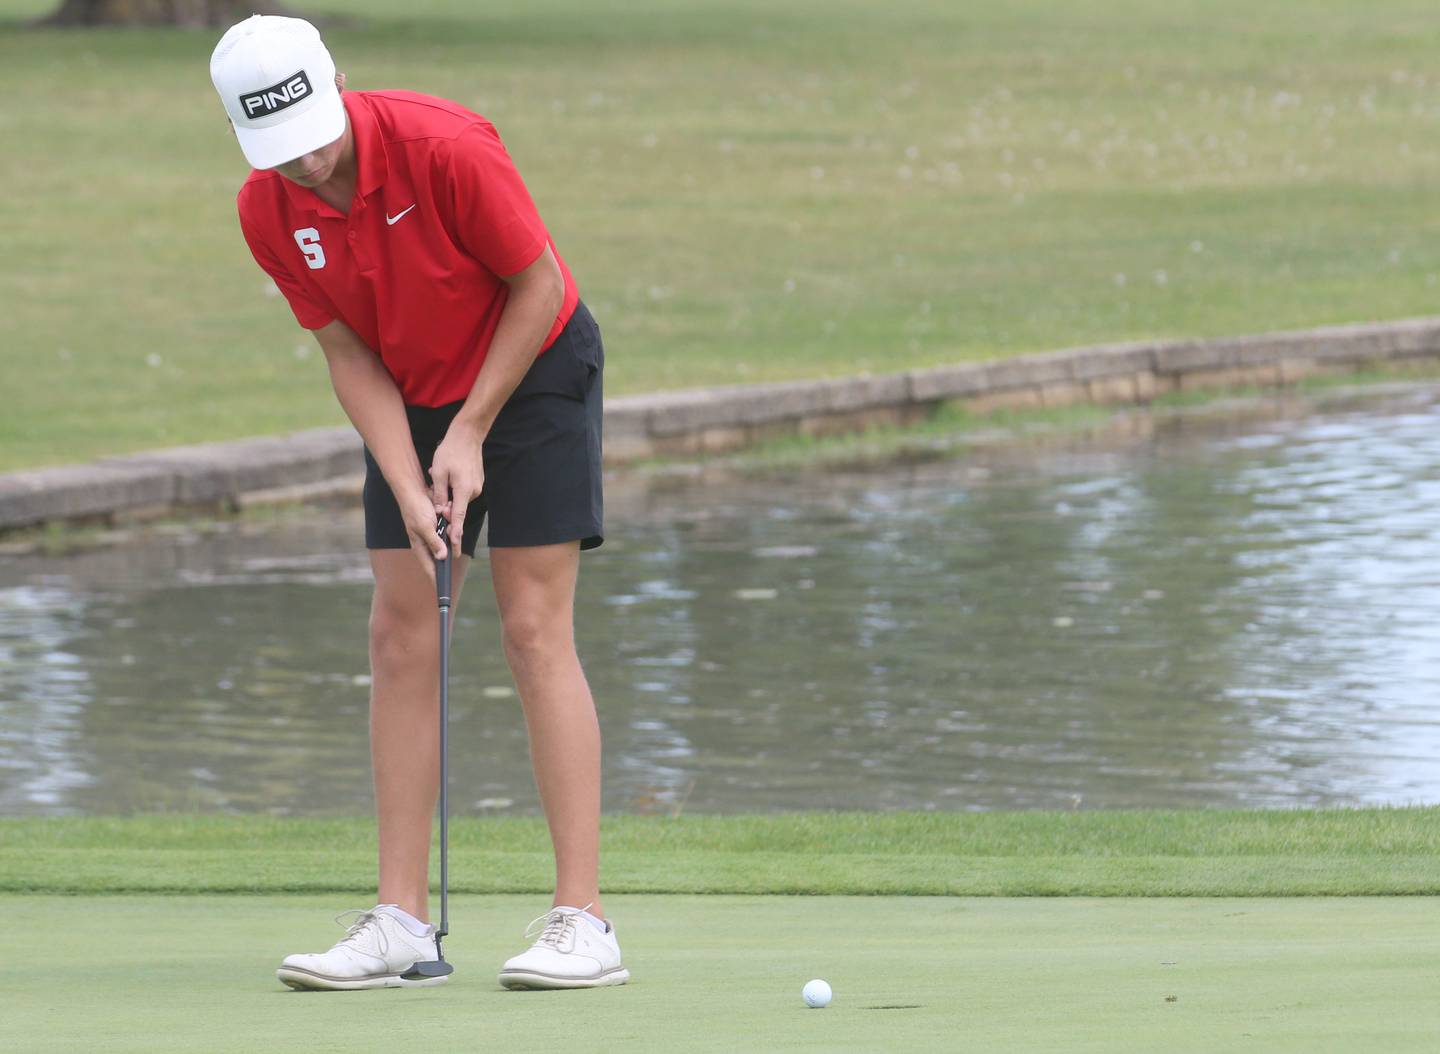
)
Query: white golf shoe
[
  {"x": 376, "y": 949},
  {"x": 570, "y": 952}
]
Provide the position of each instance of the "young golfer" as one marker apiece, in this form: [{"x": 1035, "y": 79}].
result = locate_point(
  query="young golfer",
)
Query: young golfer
[{"x": 402, "y": 236}]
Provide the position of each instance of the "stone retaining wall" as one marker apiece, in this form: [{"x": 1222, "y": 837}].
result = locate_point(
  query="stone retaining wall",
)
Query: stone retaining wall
[{"x": 714, "y": 419}]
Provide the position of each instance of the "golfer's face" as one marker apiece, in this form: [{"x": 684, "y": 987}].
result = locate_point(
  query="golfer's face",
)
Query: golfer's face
[{"x": 314, "y": 168}]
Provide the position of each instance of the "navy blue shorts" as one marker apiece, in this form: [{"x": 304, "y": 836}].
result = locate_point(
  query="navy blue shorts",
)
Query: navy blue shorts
[{"x": 542, "y": 456}]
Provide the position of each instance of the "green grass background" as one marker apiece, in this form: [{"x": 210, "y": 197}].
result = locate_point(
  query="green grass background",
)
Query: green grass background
[
  {"x": 1110, "y": 853},
  {"x": 746, "y": 190}
]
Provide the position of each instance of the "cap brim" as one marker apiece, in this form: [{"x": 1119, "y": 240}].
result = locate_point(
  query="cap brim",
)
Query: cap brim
[{"x": 320, "y": 125}]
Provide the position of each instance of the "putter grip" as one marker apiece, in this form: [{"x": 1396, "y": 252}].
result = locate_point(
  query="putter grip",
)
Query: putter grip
[{"x": 442, "y": 567}]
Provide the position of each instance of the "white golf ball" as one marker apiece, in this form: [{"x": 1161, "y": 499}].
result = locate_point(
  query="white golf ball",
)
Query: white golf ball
[{"x": 816, "y": 993}]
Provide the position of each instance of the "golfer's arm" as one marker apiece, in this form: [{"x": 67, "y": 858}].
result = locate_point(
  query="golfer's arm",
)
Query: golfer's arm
[
  {"x": 372, "y": 402},
  {"x": 534, "y": 300}
]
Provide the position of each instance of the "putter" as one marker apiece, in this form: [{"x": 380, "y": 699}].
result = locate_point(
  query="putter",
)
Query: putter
[{"x": 438, "y": 967}]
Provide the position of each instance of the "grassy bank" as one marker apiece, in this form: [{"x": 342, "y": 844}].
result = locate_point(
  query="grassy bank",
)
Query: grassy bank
[
  {"x": 1139, "y": 853},
  {"x": 746, "y": 191}
]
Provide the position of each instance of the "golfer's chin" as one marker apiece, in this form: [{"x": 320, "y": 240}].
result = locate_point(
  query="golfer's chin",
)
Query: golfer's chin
[
  {"x": 308, "y": 179},
  {"x": 308, "y": 171}
]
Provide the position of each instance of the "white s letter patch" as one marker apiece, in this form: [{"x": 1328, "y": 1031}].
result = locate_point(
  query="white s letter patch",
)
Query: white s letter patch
[{"x": 308, "y": 238}]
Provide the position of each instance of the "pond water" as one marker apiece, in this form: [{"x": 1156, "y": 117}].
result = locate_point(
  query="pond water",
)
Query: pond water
[{"x": 1220, "y": 609}]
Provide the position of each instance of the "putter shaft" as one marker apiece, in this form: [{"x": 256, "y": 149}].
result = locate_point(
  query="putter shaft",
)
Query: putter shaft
[
  {"x": 439, "y": 967},
  {"x": 442, "y": 592}
]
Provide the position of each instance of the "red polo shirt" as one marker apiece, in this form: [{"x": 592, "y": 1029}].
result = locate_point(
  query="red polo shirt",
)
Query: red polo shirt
[{"x": 439, "y": 215}]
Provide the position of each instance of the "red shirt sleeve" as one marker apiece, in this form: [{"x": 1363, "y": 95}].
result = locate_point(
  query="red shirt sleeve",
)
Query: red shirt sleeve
[
  {"x": 310, "y": 311},
  {"x": 494, "y": 218}
]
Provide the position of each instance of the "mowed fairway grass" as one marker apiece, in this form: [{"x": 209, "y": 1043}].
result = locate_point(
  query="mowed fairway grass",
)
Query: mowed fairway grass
[
  {"x": 746, "y": 190},
  {"x": 1179, "y": 931}
]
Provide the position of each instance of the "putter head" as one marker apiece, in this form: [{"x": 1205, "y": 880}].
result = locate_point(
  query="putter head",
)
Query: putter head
[{"x": 428, "y": 968}]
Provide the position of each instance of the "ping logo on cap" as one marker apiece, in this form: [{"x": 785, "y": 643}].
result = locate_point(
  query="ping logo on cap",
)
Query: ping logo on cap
[{"x": 277, "y": 97}]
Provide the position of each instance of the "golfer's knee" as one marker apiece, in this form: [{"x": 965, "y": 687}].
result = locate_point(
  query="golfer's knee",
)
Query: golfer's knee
[
  {"x": 398, "y": 636},
  {"x": 531, "y": 638}
]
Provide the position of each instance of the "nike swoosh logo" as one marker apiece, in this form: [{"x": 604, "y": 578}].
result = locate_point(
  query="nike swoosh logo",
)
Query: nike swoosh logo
[{"x": 392, "y": 220}]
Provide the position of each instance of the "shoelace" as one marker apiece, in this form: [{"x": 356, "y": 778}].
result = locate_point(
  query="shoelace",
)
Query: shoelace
[
  {"x": 357, "y": 929},
  {"x": 557, "y": 926}
]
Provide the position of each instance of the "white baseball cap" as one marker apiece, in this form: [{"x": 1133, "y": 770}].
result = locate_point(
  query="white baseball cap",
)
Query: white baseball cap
[{"x": 277, "y": 81}]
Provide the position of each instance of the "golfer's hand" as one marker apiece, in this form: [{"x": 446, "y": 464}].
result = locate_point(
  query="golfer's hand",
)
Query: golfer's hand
[
  {"x": 457, "y": 475},
  {"x": 419, "y": 518}
]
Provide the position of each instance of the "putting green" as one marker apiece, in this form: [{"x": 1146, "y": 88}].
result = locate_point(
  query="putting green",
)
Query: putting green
[{"x": 196, "y": 973}]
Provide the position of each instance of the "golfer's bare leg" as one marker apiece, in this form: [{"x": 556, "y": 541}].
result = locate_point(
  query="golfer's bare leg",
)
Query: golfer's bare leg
[
  {"x": 404, "y": 721},
  {"x": 535, "y": 591}
]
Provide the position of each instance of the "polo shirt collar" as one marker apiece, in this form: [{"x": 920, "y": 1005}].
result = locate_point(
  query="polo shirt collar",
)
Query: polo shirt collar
[
  {"x": 369, "y": 145},
  {"x": 370, "y": 161}
]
